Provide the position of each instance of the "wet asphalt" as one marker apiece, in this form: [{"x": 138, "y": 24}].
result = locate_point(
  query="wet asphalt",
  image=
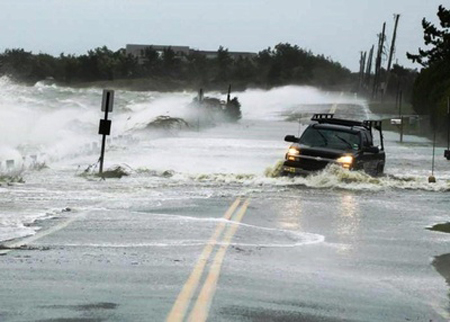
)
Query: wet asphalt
[{"x": 297, "y": 254}]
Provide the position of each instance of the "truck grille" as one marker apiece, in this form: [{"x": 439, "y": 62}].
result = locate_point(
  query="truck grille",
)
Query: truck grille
[{"x": 308, "y": 164}]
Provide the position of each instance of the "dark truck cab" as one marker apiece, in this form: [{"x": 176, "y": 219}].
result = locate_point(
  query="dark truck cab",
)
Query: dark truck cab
[{"x": 347, "y": 143}]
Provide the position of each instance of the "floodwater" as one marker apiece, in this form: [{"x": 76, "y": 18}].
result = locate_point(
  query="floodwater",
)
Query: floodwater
[{"x": 356, "y": 246}]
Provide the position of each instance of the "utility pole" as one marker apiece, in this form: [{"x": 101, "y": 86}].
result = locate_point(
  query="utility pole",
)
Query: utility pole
[
  {"x": 199, "y": 110},
  {"x": 391, "y": 52},
  {"x": 362, "y": 67},
  {"x": 369, "y": 66},
  {"x": 376, "y": 83},
  {"x": 447, "y": 152},
  {"x": 399, "y": 99},
  {"x": 432, "y": 178}
]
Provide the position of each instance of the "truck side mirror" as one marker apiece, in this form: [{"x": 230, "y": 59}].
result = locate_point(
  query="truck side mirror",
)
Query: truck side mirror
[{"x": 291, "y": 138}]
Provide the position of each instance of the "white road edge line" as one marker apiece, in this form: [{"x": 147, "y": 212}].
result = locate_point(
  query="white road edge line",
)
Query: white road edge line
[{"x": 38, "y": 235}]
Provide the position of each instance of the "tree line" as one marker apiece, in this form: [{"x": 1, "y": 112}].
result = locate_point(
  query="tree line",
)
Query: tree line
[
  {"x": 431, "y": 89},
  {"x": 281, "y": 65}
]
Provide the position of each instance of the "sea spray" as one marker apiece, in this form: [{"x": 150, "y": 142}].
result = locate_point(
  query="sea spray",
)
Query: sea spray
[{"x": 275, "y": 171}]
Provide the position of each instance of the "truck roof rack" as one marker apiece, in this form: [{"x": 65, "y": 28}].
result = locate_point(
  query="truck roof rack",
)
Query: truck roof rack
[
  {"x": 321, "y": 116},
  {"x": 373, "y": 124},
  {"x": 329, "y": 119}
]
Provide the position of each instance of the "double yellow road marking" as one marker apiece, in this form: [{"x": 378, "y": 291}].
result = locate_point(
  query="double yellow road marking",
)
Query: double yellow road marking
[
  {"x": 201, "y": 307},
  {"x": 333, "y": 108},
  {"x": 335, "y": 105}
]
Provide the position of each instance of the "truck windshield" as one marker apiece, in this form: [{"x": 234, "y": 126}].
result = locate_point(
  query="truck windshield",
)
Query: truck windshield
[{"x": 329, "y": 138}]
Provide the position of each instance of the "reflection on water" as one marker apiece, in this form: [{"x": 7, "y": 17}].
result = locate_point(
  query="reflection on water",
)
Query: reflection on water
[
  {"x": 344, "y": 219},
  {"x": 348, "y": 222},
  {"x": 291, "y": 215}
]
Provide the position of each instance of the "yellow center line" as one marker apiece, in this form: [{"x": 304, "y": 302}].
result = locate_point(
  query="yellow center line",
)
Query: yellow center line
[
  {"x": 181, "y": 304},
  {"x": 201, "y": 309},
  {"x": 333, "y": 108},
  {"x": 335, "y": 105}
]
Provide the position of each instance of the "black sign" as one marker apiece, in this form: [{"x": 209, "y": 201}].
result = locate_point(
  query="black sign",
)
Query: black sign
[{"x": 105, "y": 127}]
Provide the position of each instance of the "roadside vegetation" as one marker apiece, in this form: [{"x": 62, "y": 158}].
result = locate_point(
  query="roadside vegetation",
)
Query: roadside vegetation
[
  {"x": 432, "y": 85},
  {"x": 282, "y": 65}
]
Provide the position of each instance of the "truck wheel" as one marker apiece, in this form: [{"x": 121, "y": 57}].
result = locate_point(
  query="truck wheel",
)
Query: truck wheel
[{"x": 380, "y": 169}]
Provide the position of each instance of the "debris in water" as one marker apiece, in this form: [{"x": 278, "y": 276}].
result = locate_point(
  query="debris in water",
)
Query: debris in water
[
  {"x": 22, "y": 247},
  {"x": 168, "y": 123},
  {"x": 442, "y": 265},
  {"x": 115, "y": 172},
  {"x": 443, "y": 228},
  {"x": 216, "y": 110},
  {"x": 168, "y": 173},
  {"x": 10, "y": 179}
]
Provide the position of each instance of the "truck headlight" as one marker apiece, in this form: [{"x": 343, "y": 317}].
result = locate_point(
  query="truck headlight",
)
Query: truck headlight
[
  {"x": 292, "y": 154},
  {"x": 346, "y": 161}
]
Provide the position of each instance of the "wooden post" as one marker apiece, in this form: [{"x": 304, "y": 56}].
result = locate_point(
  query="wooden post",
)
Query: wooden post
[
  {"x": 434, "y": 149},
  {"x": 448, "y": 123},
  {"x": 369, "y": 67},
  {"x": 376, "y": 83},
  {"x": 362, "y": 67},
  {"x": 199, "y": 110},
  {"x": 391, "y": 52},
  {"x": 401, "y": 116}
]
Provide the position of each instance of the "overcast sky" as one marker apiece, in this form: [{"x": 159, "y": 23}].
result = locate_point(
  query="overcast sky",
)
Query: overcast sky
[{"x": 339, "y": 29}]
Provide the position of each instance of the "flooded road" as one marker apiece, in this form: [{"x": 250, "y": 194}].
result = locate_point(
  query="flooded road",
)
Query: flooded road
[{"x": 201, "y": 230}]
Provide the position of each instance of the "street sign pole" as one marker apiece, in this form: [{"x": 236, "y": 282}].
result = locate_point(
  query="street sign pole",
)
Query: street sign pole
[
  {"x": 105, "y": 124},
  {"x": 447, "y": 152},
  {"x": 401, "y": 115}
]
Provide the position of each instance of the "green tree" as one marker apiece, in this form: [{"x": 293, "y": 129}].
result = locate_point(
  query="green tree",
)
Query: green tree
[
  {"x": 438, "y": 39},
  {"x": 244, "y": 70},
  {"x": 432, "y": 85},
  {"x": 45, "y": 66},
  {"x": 127, "y": 65},
  {"x": 151, "y": 61},
  {"x": 70, "y": 66},
  {"x": 224, "y": 62},
  {"x": 197, "y": 69},
  {"x": 17, "y": 63},
  {"x": 284, "y": 64}
]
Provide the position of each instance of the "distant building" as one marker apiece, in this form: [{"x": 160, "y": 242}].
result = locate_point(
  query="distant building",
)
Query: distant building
[
  {"x": 181, "y": 51},
  {"x": 233, "y": 54},
  {"x": 138, "y": 50}
]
